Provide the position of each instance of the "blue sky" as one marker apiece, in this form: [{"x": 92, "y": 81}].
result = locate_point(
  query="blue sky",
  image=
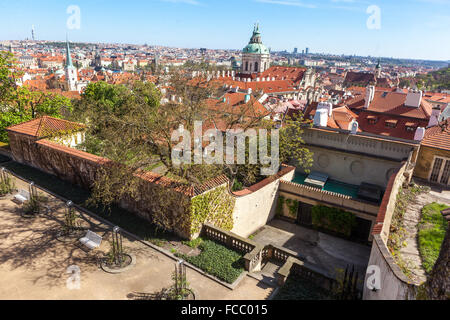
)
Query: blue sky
[{"x": 409, "y": 29}]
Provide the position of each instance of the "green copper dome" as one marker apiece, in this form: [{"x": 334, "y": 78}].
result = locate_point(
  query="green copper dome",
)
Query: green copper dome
[{"x": 255, "y": 45}]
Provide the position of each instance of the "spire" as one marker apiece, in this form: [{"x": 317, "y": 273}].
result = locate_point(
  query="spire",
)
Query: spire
[
  {"x": 256, "y": 37},
  {"x": 68, "y": 56}
]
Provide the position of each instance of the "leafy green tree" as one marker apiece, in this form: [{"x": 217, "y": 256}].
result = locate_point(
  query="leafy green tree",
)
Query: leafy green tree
[
  {"x": 19, "y": 104},
  {"x": 130, "y": 126}
]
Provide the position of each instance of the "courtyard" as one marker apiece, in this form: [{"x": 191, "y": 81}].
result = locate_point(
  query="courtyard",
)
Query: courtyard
[
  {"x": 34, "y": 263},
  {"x": 328, "y": 253}
]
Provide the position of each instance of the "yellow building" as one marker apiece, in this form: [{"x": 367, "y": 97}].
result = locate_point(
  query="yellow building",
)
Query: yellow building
[{"x": 433, "y": 162}]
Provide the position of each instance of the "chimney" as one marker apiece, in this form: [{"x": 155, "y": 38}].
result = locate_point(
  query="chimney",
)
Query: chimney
[
  {"x": 247, "y": 98},
  {"x": 413, "y": 99},
  {"x": 321, "y": 118},
  {"x": 328, "y": 106},
  {"x": 370, "y": 94},
  {"x": 434, "y": 118},
  {"x": 249, "y": 91},
  {"x": 420, "y": 134}
]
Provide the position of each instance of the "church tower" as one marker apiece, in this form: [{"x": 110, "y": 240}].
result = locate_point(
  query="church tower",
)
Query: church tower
[
  {"x": 378, "y": 70},
  {"x": 71, "y": 71},
  {"x": 255, "y": 56}
]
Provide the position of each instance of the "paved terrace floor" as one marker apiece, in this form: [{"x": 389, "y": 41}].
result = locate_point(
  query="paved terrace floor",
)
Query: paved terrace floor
[
  {"x": 33, "y": 264},
  {"x": 327, "y": 252}
]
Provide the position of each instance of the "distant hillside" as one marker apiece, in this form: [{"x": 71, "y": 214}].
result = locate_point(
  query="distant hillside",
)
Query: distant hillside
[{"x": 436, "y": 80}]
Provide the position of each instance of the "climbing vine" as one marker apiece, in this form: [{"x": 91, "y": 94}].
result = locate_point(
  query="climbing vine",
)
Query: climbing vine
[
  {"x": 293, "y": 207},
  {"x": 215, "y": 207},
  {"x": 291, "y": 204},
  {"x": 333, "y": 219},
  {"x": 280, "y": 205}
]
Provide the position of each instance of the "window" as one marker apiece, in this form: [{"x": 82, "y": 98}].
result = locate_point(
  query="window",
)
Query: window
[
  {"x": 256, "y": 66},
  {"x": 246, "y": 66},
  {"x": 441, "y": 171},
  {"x": 391, "y": 123},
  {"x": 372, "y": 119}
]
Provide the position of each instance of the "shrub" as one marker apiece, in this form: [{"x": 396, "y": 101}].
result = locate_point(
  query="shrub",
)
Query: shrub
[
  {"x": 6, "y": 185},
  {"x": 194, "y": 243},
  {"x": 219, "y": 261},
  {"x": 333, "y": 219}
]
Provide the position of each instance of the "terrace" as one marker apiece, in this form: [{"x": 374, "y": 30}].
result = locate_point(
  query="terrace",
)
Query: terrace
[{"x": 363, "y": 192}]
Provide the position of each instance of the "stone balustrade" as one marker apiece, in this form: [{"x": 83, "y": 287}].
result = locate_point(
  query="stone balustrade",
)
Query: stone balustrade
[{"x": 256, "y": 254}]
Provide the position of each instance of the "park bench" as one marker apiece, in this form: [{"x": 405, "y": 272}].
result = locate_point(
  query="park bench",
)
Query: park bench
[
  {"x": 91, "y": 240},
  {"x": 22, "y": 196}
]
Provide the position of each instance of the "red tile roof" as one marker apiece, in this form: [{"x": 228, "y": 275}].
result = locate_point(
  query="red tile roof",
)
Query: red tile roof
[
  {"x": 45, "y": 126},
  {"x": 438, "y": 137}
]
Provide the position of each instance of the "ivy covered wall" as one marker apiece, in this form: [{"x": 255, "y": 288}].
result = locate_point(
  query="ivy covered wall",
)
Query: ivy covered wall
[{"x": 214, "y": 207}]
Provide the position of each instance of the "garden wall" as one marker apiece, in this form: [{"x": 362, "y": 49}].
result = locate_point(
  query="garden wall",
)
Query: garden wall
[
  {"x": 175, "y": 207},
  {"x": 394, "y": 284},
  {"x": 156, "y": 198},
  {"x": 256, "y": 205}
]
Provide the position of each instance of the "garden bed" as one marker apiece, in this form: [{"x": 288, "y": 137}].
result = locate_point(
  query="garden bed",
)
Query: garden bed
[
  {"x": 218, "y": 261},
  {"x": 432, "y": 228}
]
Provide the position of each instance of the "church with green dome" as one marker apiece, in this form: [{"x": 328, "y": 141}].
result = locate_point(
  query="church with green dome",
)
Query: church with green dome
[{"x": 255, "y": 56}]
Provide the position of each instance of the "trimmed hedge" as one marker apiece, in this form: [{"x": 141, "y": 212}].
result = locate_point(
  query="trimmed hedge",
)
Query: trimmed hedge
[
  {"x": 333, "y": 219},
  {"x": 218, "y": 261}
]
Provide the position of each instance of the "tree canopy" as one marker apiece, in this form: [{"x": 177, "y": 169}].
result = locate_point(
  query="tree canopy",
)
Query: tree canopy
[
  {"x": 19, "y": 104},
  {"x": 129, "y": 125}
]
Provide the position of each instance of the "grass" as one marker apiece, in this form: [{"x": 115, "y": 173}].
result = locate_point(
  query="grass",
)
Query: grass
[
  {"x": 297, "y": 288},
  {"x": 432, "y": 228},
  {"x": 118, "y": 216},
  {"x": 217, "y": 260}
]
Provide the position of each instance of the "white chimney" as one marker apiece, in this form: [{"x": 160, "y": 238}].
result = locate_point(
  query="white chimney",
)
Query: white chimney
[
  {"x": 257, "y": 79},
  {"x": 370, "y": 94},
  {"x": 249, "y": 91},
  {"x": 328, "y": 106},
  {"x": 420, "y": 134},
  {"x": 321, "y": 118},
  {"x": 434, "y": 118},
  {"x": 413, "y": 99}
]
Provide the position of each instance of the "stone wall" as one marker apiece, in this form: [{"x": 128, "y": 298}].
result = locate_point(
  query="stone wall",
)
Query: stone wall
[
  {"x": 256, "y": 206},
  {"x": 386, "y": 211},
  {"x": 156, "y": 203},
  {"x": 355, "y": 159},
  {"x": 394, "y": 284},
  {"x": 161, "y": 200}
]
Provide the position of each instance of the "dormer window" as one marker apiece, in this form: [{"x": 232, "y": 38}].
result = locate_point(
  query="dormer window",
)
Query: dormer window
[
  {"x": 372, "y": 119},
  {"x": 391, "y": 123},
  {"x": 410, "y": 126}
]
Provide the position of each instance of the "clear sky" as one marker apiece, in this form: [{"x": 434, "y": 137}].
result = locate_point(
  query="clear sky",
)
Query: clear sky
[{"x": 408, "y": 29}]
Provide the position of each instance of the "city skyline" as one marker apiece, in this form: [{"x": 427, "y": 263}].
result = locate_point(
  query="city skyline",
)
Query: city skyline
[{"x": 285, "y": 25}]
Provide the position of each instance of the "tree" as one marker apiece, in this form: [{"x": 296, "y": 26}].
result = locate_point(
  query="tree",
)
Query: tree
[
  {"x": 130, "y": 126},
  {"x": 19, "y": 104}
]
